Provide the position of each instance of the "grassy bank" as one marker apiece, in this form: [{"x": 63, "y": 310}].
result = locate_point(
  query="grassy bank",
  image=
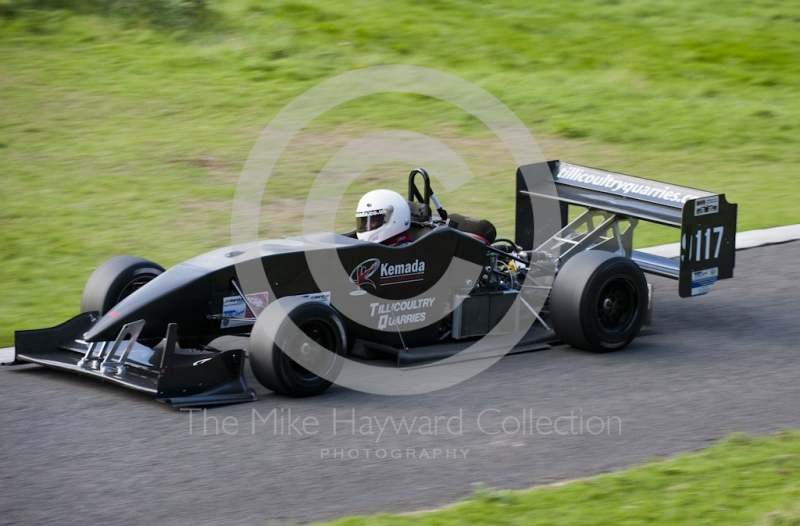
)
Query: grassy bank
[
  {"x": 741, "y": 480},
  {"x": 123, "y": 134}
]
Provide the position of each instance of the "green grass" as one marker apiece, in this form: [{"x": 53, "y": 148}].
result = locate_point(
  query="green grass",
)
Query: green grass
[
  {"x": 739, "y": 481},
  {"x": 125, "y": 132}
]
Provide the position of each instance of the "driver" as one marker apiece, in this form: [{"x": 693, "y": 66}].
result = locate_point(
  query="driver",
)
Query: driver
[{"x": 383, "y": 216}]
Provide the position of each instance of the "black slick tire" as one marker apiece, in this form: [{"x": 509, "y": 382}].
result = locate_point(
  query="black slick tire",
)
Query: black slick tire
[
  {"x": 116, "y": 279},
  {"x": 598, "y": 302},
  {"x": 297, "y": 363}
]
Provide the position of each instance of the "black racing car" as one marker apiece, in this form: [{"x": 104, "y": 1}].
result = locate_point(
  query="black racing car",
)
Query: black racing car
[{"x": 308, "y": 302}]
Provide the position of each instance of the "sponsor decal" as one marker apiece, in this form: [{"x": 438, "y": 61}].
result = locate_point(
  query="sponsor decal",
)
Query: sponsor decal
[
  {"x": 624, "y": 185},
  {"x": 363, "y": 275},
  {"x": 702, "y": 280},
  {"x": 319, "y": 296},
  {"x": 402, "y": 272},
  {"x": 707, "y": 205},
  {"x": 397, "y": 313},
  {"x": 235, "y": 307}
]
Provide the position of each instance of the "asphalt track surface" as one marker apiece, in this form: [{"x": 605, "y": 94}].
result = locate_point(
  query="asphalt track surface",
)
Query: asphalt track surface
[{"x": 74, "y": 450}]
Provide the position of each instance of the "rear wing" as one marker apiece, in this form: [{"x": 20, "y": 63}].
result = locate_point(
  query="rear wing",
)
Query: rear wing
[{"x": 706, "y": 220}]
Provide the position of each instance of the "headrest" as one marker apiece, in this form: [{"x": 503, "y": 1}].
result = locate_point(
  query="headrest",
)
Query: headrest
[{"x": 420, "y": 212}]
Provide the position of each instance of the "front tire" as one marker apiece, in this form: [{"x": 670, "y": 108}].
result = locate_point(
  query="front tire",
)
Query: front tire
[
  {"x": 598, "y": 302},
  {"x": 297, "y": 363},
  {"x": 115, "y": 280}
]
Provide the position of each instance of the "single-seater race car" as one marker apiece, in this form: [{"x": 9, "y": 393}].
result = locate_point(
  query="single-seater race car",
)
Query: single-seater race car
[{"x": 158, "y": 331}]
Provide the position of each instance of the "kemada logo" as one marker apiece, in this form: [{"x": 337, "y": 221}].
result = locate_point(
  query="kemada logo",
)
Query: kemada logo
[
  {"x": 362, "y": 275},
  {"x": 389, "y": 274}
]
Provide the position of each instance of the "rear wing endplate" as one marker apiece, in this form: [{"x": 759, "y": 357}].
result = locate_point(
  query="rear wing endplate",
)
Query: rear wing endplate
[{"x": 706, "y": 220}]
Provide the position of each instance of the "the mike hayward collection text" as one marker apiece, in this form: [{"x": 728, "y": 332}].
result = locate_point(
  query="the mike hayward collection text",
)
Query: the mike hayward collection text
[{"x": 338, "y": 422}]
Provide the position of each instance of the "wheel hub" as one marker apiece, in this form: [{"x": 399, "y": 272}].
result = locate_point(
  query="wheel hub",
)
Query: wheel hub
[
  {"x": 609, "y": 305},
  {"x": 616, "y": 305}
]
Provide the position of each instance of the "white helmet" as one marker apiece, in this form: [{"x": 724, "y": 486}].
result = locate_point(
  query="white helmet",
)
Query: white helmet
[{"x": 381, "y": 215}]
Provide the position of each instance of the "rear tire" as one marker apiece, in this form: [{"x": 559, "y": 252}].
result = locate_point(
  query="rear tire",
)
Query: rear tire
[
  {"x": 598, "y": 301},
  {"x": 115, "y": 280},
  {"x": 290, "y": 373}
]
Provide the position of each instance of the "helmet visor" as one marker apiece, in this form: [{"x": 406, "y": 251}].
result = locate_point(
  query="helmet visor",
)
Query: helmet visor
[{"x": 369, "y": 222}]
